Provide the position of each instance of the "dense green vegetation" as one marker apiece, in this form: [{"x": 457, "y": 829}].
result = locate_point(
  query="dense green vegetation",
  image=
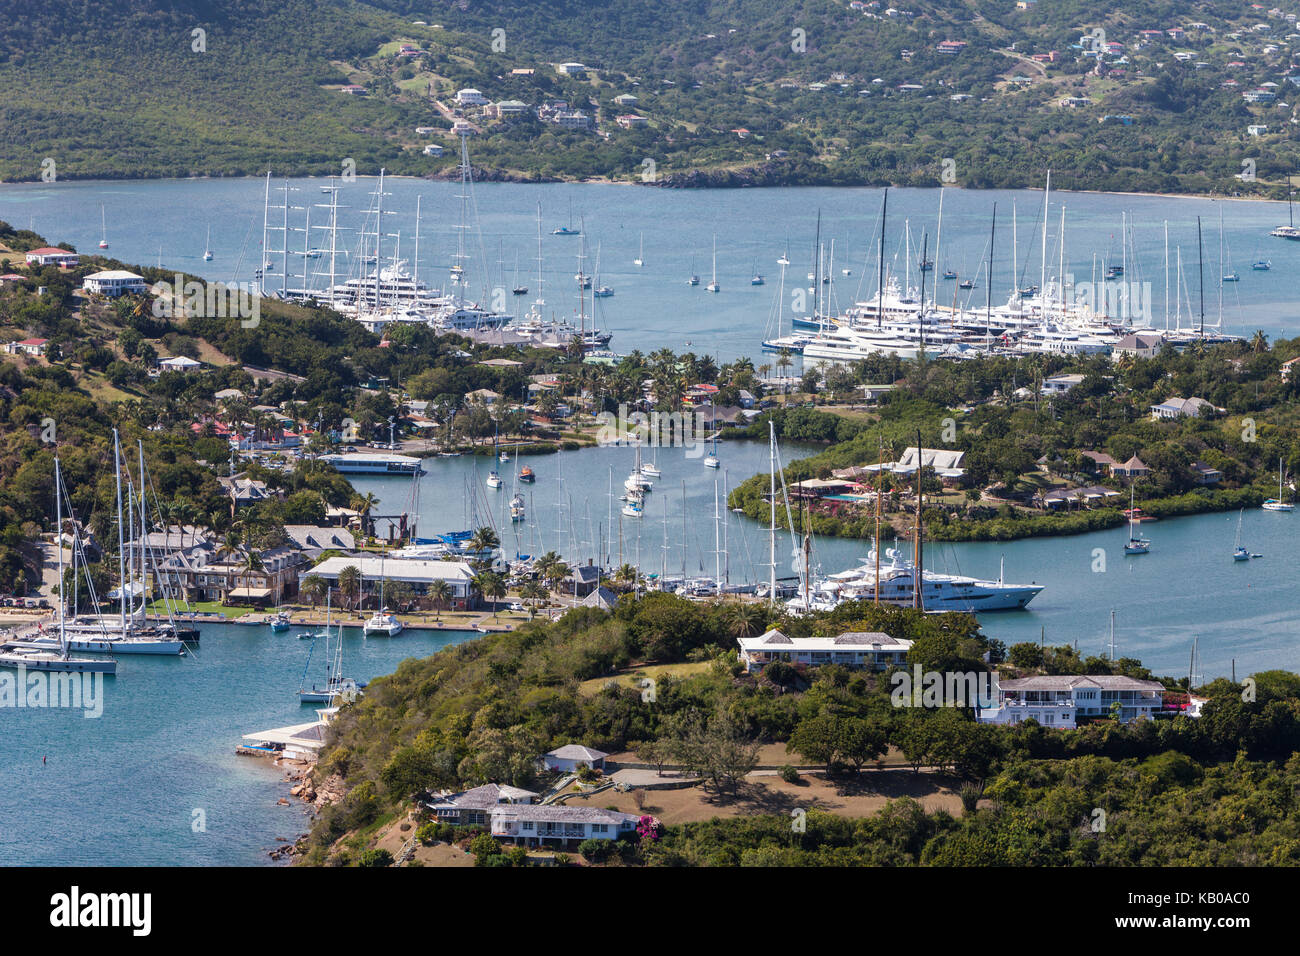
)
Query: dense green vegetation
[
  {"x": 1218, "y": 789},
  {"x": 1018, "y": 447},
  {"x": 116, "y": 88}
]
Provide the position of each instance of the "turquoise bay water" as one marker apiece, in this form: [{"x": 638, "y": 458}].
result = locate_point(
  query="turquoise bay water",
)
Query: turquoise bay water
[
  {"x": 122, "y": 789},
  {"x": 167, "y": 221},
  {"x": 1187, "y": 586}
]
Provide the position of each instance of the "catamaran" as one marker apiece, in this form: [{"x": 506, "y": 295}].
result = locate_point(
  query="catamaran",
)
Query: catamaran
[
  {"x": 382, "y": 623},
  {"x": 1277, "y": 504}
]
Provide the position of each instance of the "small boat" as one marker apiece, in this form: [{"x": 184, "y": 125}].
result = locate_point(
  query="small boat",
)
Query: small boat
[
  {"x": 526, "y": 475},
  {"x": 966, "y": 284},
  {"x": 494, "y": 479},
  {"x": 1231, "y": 277},
  {"x": 713, "y": 283},
  {"x": 1261, "y": 265},
  {"x": 207, "y": 246},
  {"x": 103, "y": 222},
  {"x": 604, "y": 292},
  {"x": 520, "y": 290},
  {"x": 632, "y": 509},
  {"x": 517, "y": 508},
  {"x": 927, "y": 265},
  {"x": 567, "y": 230},
  {"x": 504, "y": 456},
  {"x": 280, "y": 622},
  {"x": 382, "y": 624},
  {"x": 1277, "y": 504},
  {"x": 949, "y": 274},
  {"x": 756, "y": 280},
  {"x": 1239, "y": 551},
  {"x": 584, "y": 281},
  {"x": 693, "y": 280},
  {"x": 1136, "y": 543},
  {"x": 640, "y": 252}
]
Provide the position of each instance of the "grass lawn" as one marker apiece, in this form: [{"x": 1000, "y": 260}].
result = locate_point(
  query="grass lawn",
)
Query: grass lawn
[
  {"x": 632, "y": 676},
  {"x": 202, "y": 607}
]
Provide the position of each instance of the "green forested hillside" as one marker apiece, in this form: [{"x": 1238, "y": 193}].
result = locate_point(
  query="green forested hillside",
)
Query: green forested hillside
[{"x": 735, "y": 92}]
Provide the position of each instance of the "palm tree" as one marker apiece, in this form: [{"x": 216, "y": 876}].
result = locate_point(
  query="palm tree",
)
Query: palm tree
[
  {"x": 532, "y": 591},
  {"x": 364, "y": 504},
  {"x": 484, "y": 539},
  {"x": 490, "y": 585},
  {"x": 543, "y": 565},
  {"x": 252, "y": 562},
  {"x": 625, "y": 577},
  {"x": 440, "y": 594},
  {"x": 231, "y": 546},
  {"x": 350, "y": 583},
  {"x": 745, "y": 620},
  {"x": 313, "y": 587}
]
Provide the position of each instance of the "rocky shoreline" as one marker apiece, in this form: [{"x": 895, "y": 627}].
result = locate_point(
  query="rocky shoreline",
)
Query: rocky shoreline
[{"x": 305, "y": 788}]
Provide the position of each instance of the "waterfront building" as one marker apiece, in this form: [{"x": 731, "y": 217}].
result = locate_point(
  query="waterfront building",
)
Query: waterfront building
[
  {"x": 870, "y": 650},
  {"x": 1060, "y": 700},
  {"x": 418, "y": 573}
]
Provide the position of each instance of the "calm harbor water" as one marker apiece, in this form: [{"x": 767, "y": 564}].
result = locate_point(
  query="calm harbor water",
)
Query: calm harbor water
[
  {"x": 1187, "y": 586},
  {"x": 123, "y": 789},
  {"x": 652, "y": 306}
]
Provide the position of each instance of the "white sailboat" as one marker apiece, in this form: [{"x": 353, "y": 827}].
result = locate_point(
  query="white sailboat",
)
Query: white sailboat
[
  {"x": 1277, "y": 504},
  {"x": 382, "y": 623},
  {"x": 33, "y": 657},
  {"x": 711, "y": 459},
  {"x": 640, "y": 252},
  {"x": 103, "y": 224},
  {"x": 1136, "y": 543},
  {"x": 336, "y": 685},
  {"x": 713, "y": 283},
  {"x": 207, "y": 246},
  {"x": 1239, "y": 551}
]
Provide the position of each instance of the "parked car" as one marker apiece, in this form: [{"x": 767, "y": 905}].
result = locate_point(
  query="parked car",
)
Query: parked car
[{"x": 516, "y": 606}]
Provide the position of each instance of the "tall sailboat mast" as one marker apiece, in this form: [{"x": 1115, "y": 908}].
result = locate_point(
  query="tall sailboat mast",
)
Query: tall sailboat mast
[
  {"x": 771, "y": 527},
  {"x": 880, "y": 256},
  {"x": 121, "y": 540}
]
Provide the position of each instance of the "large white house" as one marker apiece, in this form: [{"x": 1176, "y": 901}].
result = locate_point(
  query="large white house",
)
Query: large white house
[
  {"x": 471, "y": 97},
  {"x": 530, "y": 823},
  {"x": 51, "y": 256},
  {"x": 114, "y": 282},
  {"x": 860, "y": 649},
  {"x": 1059, "y": 701}
]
